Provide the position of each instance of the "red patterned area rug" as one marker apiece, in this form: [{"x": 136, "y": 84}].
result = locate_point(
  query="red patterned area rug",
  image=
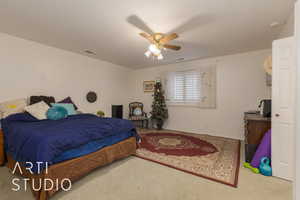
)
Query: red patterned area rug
[{"x": 210, "y": 157}]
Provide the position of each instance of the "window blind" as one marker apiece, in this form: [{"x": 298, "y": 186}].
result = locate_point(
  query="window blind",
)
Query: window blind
[
  {"x": 187, "y": 87},
  {"x": 184, "y": 87}
]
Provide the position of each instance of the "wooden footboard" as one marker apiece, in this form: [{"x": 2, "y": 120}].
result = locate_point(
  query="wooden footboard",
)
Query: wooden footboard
[
  {"x": 76, "y": 168},
  {"x": 2, "y": 154}
]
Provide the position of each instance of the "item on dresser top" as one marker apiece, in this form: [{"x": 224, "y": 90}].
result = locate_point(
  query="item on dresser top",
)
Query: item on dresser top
[
  {"x": 265, "y": 107},
  {"x": 252, "y": 112},
  {"x": 68, "y": 106},
  {"x": 68, "y": 100},
  {"x": 57, "y": 113},
  {"x": 47, "y": 99},
  {"x": 11, "y": 107},
  {"x": 38, "y": 110}
]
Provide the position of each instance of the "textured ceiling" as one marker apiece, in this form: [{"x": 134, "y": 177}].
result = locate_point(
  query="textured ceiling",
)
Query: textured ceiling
[{"x": 207, "y": 28}]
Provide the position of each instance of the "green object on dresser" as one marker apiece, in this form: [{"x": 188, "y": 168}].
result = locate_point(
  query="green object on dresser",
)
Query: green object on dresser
[{"x": 100, "y": 113}]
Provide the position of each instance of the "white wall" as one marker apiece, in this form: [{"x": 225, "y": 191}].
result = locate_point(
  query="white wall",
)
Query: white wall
[
  {"x": 29, "y": 68},
  {"x": 296, "y": 188},
  {"x": 288, "y": 27},
  {"x": 240, "y": 86}
]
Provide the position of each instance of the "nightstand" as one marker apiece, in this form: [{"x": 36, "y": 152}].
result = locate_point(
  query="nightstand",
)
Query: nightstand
[{"x": 2, "y": 156}]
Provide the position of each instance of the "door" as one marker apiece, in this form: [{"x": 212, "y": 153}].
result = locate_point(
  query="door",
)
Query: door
[{"x": 283, "y": 107}]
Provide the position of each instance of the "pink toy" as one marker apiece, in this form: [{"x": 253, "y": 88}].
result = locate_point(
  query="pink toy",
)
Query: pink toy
[{"x": 263, "y": 150}]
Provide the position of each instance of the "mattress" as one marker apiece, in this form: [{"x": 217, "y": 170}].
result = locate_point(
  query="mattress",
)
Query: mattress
[{"x": 92, "y": 147}]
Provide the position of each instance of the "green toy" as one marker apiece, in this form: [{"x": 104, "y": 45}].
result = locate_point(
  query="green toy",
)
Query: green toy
[
  {"x": 253, "y": 169},
  {"x": 100, "y": 113}
]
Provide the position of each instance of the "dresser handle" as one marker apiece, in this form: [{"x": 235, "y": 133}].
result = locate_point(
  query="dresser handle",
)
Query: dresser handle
[{"x": 277, "y": 115}]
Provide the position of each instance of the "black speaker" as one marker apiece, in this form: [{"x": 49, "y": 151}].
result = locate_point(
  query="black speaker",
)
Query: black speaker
[{"x": 117, "y": 111}]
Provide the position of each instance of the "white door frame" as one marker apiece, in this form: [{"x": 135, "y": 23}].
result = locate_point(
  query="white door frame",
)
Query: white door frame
[{"x": 296, "y": 187}]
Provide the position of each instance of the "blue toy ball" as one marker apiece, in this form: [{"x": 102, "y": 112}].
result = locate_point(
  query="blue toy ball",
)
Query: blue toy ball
[
  {"x": 264, "y": 167},
  {"x": 56, "y": 113}
]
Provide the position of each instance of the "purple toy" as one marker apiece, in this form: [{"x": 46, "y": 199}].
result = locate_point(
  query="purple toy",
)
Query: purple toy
[{"x": 263, "y": 150}]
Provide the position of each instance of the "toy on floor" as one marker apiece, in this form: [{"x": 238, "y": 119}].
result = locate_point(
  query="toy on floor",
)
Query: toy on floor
[
  {"x": 264, "y": 167},
  {"x": 253, "y": 169},
  {"x": 263, "y": 150},
  {"x": 261, "y": 162}
]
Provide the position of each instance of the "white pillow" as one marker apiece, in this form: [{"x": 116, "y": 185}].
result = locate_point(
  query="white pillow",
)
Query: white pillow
[
  {"x": 38, "y": 110},
  {"x": 12, "y": 107}
]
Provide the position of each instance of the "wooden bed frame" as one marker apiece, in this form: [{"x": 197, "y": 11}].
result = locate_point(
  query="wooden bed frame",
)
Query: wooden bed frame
[{"x": 72, "y": 169}]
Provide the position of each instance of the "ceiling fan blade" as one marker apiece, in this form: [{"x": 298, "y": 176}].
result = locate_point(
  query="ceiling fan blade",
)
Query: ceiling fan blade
[
  {"x": 139, "y": 23},
  {"x": 168, "y": 38},
  {"x": 148, "y": 37},
  {"x": 173, "y": 47}
]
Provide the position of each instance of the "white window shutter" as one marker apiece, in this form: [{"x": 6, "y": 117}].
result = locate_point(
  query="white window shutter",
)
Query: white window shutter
[{"x": 191, "y": 87}]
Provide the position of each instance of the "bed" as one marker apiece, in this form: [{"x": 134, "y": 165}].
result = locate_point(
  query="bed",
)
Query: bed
[{"x": 68, "y": 148}]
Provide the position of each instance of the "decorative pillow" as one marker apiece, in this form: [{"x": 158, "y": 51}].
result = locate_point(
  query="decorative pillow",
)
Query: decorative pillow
[
  {"x": 56, "y": 113},
  {"x": 11, "y": 107},
  {"x": 46, "y": 99},
  {"x": 38, "y": 110},
  {"x": 137, "y": 111},
  {"x": 68, "y": 106},
  {"x": 68, "y": 100}
]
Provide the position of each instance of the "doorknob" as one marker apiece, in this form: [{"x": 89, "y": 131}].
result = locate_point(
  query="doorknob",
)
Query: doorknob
[{"x": 277, "y": 115}]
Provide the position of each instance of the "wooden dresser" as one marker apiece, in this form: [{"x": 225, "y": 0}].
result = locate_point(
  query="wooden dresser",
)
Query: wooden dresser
[
  {"x": 255, "y": 128},
  {"x": 2, "y": 157}
]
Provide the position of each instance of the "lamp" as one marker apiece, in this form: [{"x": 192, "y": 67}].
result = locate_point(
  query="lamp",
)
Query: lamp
[
  {"x": 148, "y": 54},
  {"x": 160, "y": 57},
  {"x": 155, "y": 51},
  {"x": 153, "y": 48}
]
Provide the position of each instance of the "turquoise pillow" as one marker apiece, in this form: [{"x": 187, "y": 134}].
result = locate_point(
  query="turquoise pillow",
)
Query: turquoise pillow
[
  {"x": 68, "y": 106},
  {"x": 56, "y": 113}
]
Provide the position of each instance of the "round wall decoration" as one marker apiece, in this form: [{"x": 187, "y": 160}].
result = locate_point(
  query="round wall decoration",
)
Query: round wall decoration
[
  {"x": 91, "y": 97},
  {"x": 268, "y": 65}
]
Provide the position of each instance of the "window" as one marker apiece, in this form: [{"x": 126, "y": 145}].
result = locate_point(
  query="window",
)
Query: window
[
  {"x": 185, "y": 87},
  {"x": 191, "y": 87}
]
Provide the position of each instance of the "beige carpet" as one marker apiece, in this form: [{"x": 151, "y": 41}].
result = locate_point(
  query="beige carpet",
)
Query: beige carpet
[{"x": 136, "y": 179}]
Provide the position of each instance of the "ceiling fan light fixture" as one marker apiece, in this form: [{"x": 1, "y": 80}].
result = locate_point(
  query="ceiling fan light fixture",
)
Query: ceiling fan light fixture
[
  {"x": 159, "y": 43},
  {"x": 154, "y": 49},
  {"x": 148, "y": 54},
  {"x": 160, "y": 57}
]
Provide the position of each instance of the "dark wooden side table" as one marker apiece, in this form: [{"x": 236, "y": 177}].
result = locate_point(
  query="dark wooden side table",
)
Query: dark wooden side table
[
  {"x": 2, "y": 156},
  {"x": 255, "y": 128}
]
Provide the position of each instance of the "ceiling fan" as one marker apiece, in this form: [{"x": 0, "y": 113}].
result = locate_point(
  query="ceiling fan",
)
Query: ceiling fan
[{"x": 159, "y": 42}]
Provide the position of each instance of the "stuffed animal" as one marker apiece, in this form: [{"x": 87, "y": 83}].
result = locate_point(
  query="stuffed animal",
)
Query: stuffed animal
[{"x": 264, "y": 167}]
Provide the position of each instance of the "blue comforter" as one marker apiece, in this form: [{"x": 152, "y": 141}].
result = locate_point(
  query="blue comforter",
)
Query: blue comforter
[{"x": 30, "y": 140}]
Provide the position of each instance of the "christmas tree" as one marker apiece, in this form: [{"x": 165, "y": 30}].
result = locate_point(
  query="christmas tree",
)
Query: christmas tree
[{"x": 159, "y": 108}]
